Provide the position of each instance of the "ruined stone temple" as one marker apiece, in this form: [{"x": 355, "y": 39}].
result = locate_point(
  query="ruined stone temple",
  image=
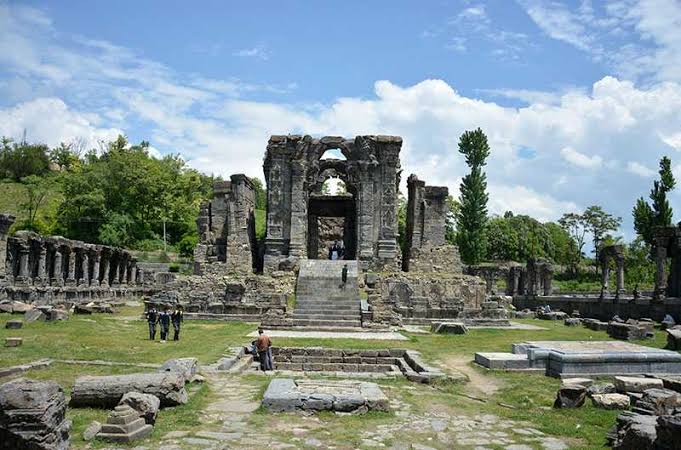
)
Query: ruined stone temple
[{"x": 238, "y": 276}]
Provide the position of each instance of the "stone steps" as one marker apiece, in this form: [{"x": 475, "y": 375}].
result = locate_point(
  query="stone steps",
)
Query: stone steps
[
  {"x": 313, "y": 323},
  {"x": 324, "y": 316},
  {"x": 327, "y": 306}
]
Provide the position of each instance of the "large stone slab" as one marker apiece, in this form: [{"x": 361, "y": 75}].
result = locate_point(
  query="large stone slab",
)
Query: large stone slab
[
  {"x": 288, "y": 395},
  {"x": 588, "y": 358}
]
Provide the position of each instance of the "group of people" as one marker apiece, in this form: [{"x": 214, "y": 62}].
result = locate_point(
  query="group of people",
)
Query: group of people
[
  {"x": 337, "y": 251},
  {"x": 164, "y": 319}
]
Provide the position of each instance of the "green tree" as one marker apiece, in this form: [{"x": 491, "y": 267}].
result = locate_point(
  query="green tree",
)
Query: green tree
[
  {"x": 576, "y": 227},
  {"x": 599, "y": 223},
  {"x": 647, "y": 217},
  {"x": 453, "y": 208},
  {"x": 37, "y": 190},
  {"x": 64, "y": 157},
  {"x": 260, "y": 193},
  {"x": 639, "y": 269},
  {"x": 19, "y": 160},
  {"x": 472, "y": 216}
]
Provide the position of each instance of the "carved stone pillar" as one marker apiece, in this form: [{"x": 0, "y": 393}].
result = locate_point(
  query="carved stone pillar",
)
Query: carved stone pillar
[
  {"x": 24, "y": 273},
  {"x": 42, "y": 264},
  {"x": 660, "y": 272},
  {"x": 96, "y": 258},
  {"x": 106, "y": 263},
  {"x": 58, "y": 268},
  {"x": 71, "y": 274},
  {"x": 84, "y": 268},
  {"x": 298, "y": 245},
  {"x": 620, "y": 276},
  {"x": 113, "y": 264},
  {"x": 6, "y": 222}
]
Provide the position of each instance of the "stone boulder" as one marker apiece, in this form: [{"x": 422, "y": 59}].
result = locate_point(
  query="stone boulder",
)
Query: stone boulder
[
  {"x": 146, "y": 405},
  {"x": 636, "y": 384},
  {"x": 601, "y": 388},
  {"x": 668, "y": 432},
  {"x": 658, "y": 402},
  {"x": 610, "y": 401},
  {"x": 34, "y": 315},
  {"x": 570, "y": 396},
  {"x": 674, "y": 338},
  {"x": 635, "y": 432},
  {"x": 572, "y": 322},
  {"x": 14, "y": 324},
  {"x": 107, "y": 391},
  {"x": 92, "y": 430},
  {"x": 631, "y": 330},
  {"x": 33, "y": 416},
  {"x": 187, "y": 367},
  {"x": 20, "y": 307}
]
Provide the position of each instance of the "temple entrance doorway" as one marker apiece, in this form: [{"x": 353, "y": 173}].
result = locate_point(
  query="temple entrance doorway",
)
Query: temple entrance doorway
[{"x": 332, "y": 220}]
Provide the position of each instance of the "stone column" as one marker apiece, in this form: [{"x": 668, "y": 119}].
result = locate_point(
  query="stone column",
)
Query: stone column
[
  {"x": 58, "y": 269},
  {"x": 387, "y": 242},
  {"x": 547, "y": 272},
  {"x": 42, "y": 264},
  {"x": 620, "y": 275},
  {"x": 96, "y": 258},
  {"x": 365, "y": 211},
  {"x": 24, "y": 274},
  {"x": 298, "y": 244},
  {"x": 6, "y": 222},
  {"x": 106, "y": 262},
  {"x": 660, "y": 272},
  {"x": 274, "y": 242},
  {"x": 84, "y": 268},
  {"x": 113, "y": 264},
  {"x": 71, "y": 275}
]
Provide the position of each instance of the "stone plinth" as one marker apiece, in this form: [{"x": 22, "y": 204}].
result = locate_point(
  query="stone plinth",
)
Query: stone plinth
[
  {"x": 14, "y": 324},
  {"x": 13, "y": 341},
  {"x": 287, "y": 395},
  {"x": 124, "y": 425},
  {"x": 33, "y": 416}
]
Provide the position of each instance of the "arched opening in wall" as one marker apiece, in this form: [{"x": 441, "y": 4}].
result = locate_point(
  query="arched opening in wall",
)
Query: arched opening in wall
[
  {"x": 333, "y": 153},
  {"x": 332, "y": 220}
]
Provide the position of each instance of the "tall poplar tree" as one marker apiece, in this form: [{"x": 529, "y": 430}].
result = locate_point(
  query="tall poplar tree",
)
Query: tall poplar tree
[
  {"x": 472, "y": 213},
  {"x": 647, "y": 216}
]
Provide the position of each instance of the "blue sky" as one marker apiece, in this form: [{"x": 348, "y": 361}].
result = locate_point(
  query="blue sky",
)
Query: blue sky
[{"x": 579, "y": 98}]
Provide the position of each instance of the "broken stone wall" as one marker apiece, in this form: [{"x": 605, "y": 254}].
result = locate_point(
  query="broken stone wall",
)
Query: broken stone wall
[
  {"x": 411, "y": 295},
  {"x": 226, "y": 226},
  {"x": 6, "y": 222},
  {"x": 426, "y": 249}
]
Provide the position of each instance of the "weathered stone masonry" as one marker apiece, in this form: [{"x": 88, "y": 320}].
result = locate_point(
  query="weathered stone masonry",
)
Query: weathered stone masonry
[{"x": 54, "y": 269}]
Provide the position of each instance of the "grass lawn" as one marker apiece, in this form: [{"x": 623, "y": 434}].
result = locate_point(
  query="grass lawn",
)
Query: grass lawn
[{"x": 123, "y": 337}]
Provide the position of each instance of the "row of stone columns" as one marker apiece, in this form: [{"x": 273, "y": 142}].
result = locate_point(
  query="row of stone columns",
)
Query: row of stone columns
[{"x": 55, "y": 261}]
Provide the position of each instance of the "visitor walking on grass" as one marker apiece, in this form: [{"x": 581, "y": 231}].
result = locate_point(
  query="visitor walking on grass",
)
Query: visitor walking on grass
[
  {"x": 177, "y": 317},
  {"x": 264, "y": 348},
  {"x": 164, "y": 321},
  {"x": 152, "y": 319}
]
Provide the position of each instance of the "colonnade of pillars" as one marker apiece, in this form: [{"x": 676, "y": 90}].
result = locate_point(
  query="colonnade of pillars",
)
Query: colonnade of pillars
[{"x": 34, "y": 259}]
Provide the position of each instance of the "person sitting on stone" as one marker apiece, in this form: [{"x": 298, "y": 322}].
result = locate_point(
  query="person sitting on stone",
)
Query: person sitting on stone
[
  {"x": 264, "y": 347},
  {"x": 152, "y": 320},
  {"x": 177, "y": 317},
  {"x": 164, "y": 321}
]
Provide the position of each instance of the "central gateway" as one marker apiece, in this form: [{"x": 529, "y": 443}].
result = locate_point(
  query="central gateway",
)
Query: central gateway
[{"x": 295, "y": 173}]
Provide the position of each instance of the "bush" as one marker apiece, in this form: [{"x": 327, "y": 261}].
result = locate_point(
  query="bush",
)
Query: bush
[
  {"x": 187, "y": 245},
  {"x": 174, "y": 268}
]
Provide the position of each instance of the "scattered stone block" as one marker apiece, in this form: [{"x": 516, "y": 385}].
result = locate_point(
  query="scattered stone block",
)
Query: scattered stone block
[
  {"x": 551, "y": 315},
  {"x": 658, "y": 402},
  {"x": 92, "y": 430},
  {"x": 13, "y": 341},
  {"x": 107, "y": 391},
  {"x": 630, "y": 331},
  {"x": 14, "y": 324},
  {"x": 33, "y": 315},
  {"x": 33, "y": 416},
  {"x": 56, "y": 314},
  {"x": 20, "y": 307},
  {"x": 6, "y": 307},
  {"x": 585, "y": 382},
  {"x": 674, "y": 338},
  {"x": 595, "y": 325},
  {"x": 124, "y": 425},
  {"x": 570, "y": 396},
  {"x": 448, "y": 328},
  {"x": 635, "y": 432},
  {"x": 601, "y": 388},
  {"x": 146, "y": 405},
  {"x": 668, "y": 430},
  {"x": 673, "y": 383},
  {"x": 610, "y": 401},
  {"x": 572, "y": 322},
  {"x": 636, "y": 384},
  {"x": 187, "y": 367}
]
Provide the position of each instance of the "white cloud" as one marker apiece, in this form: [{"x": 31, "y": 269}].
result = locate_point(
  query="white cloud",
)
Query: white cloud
[
  {"x": 523, "y": 200},
  {"x": 556, "y": 20},
  {"x": 639, "y": 169},
  {"x": 257, "y": 52},
  {"x": 672, "y": 140},
  {"x": 572, "y": 156}
]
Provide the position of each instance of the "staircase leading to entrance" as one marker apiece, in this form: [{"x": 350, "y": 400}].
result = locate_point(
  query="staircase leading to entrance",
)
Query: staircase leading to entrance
[{"x": 321, "y": 298}]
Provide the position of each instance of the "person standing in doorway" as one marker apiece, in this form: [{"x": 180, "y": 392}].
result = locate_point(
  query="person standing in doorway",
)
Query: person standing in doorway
[
  {"x": 264, "y": 347},
  {"x": 177, "y": 317},
  {"x": 152, "y": 320},
  {"x": 164, "y": 321}
]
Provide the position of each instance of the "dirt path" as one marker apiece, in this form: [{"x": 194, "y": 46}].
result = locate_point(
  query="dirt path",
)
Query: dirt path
[{"x": 478, "y": 381}]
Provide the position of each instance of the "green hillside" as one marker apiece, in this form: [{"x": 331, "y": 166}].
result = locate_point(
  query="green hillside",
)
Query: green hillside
[{"x": 13, "y": 194}]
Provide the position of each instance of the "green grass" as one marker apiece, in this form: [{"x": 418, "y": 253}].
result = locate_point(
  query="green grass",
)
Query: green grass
[
  {"x": 123, "y": 337},
  {"x": 260, "y": 223}
]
